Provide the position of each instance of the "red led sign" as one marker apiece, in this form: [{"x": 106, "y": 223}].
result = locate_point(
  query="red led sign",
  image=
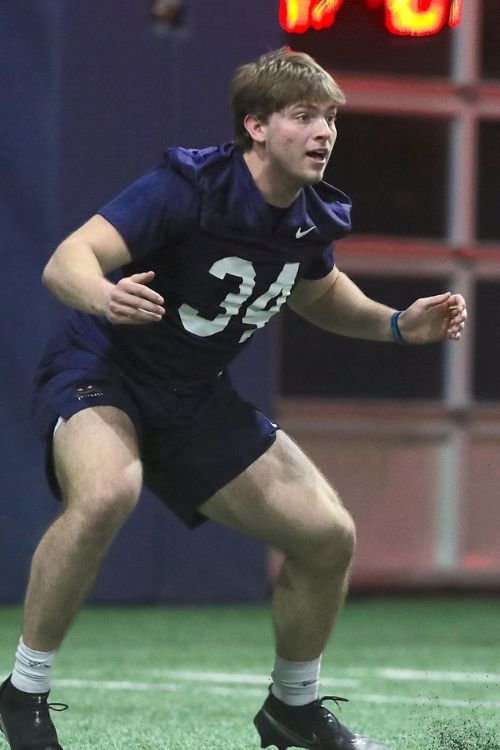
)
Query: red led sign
[{"x": 402, "y": 17}]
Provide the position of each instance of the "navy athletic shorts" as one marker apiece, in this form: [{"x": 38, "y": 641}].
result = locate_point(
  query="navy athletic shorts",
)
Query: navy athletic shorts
[{"x": 191, "y": 444}]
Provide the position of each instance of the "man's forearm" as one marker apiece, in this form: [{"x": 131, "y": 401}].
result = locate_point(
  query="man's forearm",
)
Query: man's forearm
[
  {"x": 347, "y": 311},
  {"x": 74, "y": 276}
]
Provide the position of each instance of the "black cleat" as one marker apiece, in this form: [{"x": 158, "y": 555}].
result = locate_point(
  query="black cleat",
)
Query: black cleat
[
  {"x": 312, "y": 727},
  {"x": 25, "y": 720}
]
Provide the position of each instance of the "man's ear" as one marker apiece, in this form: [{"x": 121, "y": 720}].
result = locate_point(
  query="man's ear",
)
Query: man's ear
[{"x": 255, "y": 128}]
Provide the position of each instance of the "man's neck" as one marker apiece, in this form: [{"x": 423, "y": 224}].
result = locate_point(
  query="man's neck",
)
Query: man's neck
[{"x": 268, "y": 184}]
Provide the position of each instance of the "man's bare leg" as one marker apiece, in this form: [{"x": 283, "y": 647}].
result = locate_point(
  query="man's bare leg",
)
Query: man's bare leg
[
  {"x": 284, "y": 501},
  {"x": 100, "y": 475}
]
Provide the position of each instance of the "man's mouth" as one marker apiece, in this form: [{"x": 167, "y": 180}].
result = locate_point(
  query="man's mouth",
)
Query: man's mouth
[{"x": 319, "y": 155}]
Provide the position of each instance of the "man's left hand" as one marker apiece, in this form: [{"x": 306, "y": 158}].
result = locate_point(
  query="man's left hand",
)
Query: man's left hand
[{"x": 432, "y": 319}]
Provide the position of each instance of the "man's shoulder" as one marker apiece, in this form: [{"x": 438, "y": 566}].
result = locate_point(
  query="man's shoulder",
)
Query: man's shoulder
[
  {"x": 329, "y": 207},
  {"x": 196, "y": 163},
  {"x": 328, "y": 194}
]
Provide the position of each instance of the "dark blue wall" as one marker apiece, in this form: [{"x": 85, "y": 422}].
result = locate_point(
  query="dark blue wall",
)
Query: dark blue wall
[{"x": 90, "y": 94}]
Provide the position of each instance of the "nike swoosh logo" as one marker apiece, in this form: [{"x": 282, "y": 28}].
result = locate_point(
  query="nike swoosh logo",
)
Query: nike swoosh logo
[
  {"x": 299, "y": 233},
  {"x": 311, "y": 743}
]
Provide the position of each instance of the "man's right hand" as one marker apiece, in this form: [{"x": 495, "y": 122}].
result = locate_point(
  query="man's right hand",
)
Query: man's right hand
[{"x": 132, "y": 302}]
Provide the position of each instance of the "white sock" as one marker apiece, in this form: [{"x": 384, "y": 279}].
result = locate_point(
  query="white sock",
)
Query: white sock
[
  {"x": 295, "y": 682},
  {"x": 32, "y": 669}
]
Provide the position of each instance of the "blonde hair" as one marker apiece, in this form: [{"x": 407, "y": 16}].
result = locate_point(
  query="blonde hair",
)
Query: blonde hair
[{"x": 277, "y": 80}]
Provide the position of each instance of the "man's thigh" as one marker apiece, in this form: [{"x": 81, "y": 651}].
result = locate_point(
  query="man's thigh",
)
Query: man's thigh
[
  {"x": 96, "y": 454},
  {"x": 282, "y": 499}
]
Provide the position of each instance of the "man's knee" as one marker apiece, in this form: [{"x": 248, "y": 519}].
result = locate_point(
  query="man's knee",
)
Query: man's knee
[
  {"x": 100, "y": 507},
  {"x": 340, "y": 544},
  {"x": 331, "y": 543}
]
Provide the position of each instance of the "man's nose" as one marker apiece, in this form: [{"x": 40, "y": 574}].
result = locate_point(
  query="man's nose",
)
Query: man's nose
[{"x": 324, "y": 128}]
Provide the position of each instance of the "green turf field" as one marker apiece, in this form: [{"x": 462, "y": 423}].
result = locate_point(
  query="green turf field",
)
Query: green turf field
[{"x": 421, "y": 674}]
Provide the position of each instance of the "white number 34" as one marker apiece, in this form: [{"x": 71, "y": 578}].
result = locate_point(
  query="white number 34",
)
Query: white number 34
[{"x": 257, "y": 313}]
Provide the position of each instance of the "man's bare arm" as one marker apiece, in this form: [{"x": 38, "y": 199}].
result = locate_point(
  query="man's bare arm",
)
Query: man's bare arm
[
  {"x": 336, "y": 304},
  {"x": 75, "y": 274}
]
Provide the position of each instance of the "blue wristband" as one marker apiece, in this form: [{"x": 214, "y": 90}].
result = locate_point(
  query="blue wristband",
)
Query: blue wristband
[{"x": 396, "y": 333}]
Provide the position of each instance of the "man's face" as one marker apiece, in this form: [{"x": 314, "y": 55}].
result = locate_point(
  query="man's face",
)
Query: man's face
[{"x": 299, "y": 140}]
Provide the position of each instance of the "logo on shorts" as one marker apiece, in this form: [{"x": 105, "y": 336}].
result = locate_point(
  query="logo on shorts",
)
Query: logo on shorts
[{"x": 87, "y": 391}]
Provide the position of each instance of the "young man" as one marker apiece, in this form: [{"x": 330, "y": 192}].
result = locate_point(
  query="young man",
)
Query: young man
[{"x": 167, "y": 283}]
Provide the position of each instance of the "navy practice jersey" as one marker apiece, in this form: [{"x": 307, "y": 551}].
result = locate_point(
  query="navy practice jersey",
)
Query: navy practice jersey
[{"x": 224, "y": 260}]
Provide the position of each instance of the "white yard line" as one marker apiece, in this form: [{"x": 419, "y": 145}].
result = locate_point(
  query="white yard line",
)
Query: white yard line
[
  {"x": 350, "y": 678},
  {"x": 422, "y": 701},
  {"x": 227, "y": 683},
  {"x": 142, "y": 687},
  {"x": 218, "y": 689},
  {"x": 237, "y": 678},
  {"x": 417, "y": 675}
]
